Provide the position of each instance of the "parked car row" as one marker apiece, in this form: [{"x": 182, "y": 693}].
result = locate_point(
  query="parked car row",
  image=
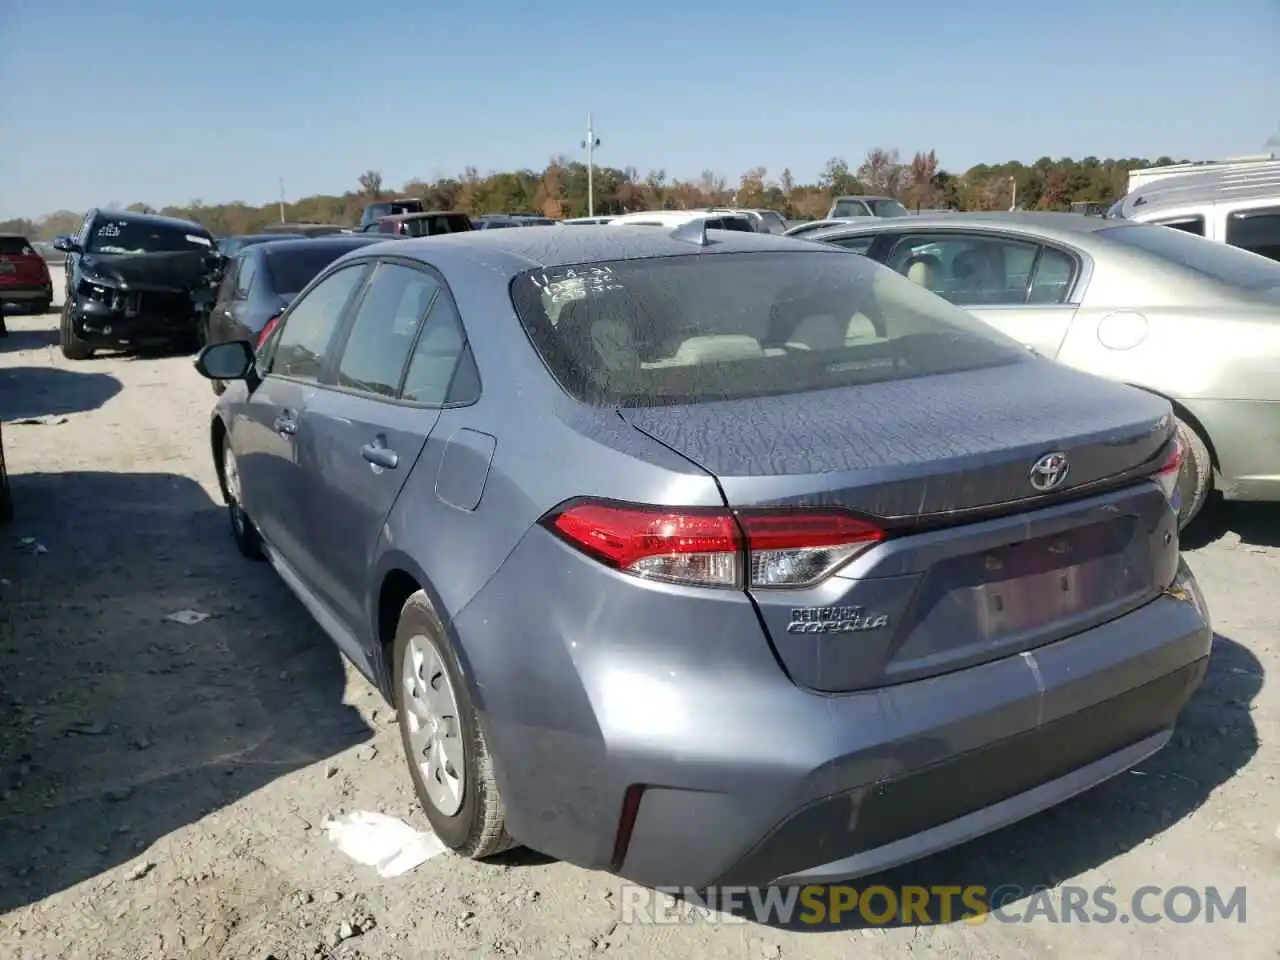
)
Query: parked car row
[{"x": 586, "y": 504}]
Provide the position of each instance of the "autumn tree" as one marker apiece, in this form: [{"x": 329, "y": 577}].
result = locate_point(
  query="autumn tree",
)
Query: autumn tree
[
  {"x": 549, "y": 196},
  {"x": 751, "y": 188},
  {"x": 882, "y": 172},
  {"x": 920, "y": 188},
  {"x": 371, "y": 183}
]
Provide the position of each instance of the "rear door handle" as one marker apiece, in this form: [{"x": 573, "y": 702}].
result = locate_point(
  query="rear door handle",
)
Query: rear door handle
[
  {"x": 380, "y": 456},
  {"x": 286, "y": 425}
]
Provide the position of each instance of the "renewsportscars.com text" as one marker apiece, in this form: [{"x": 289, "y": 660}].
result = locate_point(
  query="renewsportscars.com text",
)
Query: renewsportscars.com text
[{"x": 914, "y": 905}]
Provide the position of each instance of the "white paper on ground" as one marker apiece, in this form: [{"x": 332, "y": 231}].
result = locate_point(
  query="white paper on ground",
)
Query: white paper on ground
[{"x": 386, "y": 843}]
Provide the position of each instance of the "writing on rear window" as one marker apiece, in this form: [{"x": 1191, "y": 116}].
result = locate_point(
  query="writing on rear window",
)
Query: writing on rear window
[
  {"x": 110, "y": 229},
  {"x": 575, "y": 283}
]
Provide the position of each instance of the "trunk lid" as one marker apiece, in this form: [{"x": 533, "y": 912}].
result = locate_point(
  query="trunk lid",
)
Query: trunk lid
[{"x": 999, "y": 568}]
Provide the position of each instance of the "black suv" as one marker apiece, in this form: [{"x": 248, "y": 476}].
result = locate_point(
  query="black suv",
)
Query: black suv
[
  {"x": 135, "y": 280},
  {"x": 389, "y": 208}
]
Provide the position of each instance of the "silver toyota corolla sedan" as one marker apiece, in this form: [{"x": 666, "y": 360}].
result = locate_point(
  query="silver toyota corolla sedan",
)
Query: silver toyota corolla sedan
[
  {"x": 700, "y": 555},
  {"x": 1192, "y": 321}
]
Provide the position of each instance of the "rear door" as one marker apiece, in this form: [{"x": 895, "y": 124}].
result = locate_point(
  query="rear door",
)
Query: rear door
[
  {"x": 365, "y": 430},
  {"x": 222, "y": 321},
  {"x": 265, "y": 434},
  {"x": 1020, "y": 287}
]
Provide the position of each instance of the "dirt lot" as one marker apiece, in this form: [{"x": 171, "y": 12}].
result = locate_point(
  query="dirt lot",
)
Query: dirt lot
[{"x": 163, "y": 787}]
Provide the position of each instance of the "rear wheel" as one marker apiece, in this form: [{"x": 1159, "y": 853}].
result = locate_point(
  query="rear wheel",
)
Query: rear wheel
[
  {"x": 73, "y": 348},
  {"x": 448, "y": 757},
  {"x": 1195, "y": 479},
  {"x": 42, "y": 307},
  {"x": 245, "y": 534}
]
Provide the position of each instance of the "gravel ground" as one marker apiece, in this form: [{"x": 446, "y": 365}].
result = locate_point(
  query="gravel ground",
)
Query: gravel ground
[{"x": 163, "y": 787}]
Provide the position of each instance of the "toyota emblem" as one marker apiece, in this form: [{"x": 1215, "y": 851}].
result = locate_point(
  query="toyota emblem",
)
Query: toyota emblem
[{"x": 1049, "y": 472}]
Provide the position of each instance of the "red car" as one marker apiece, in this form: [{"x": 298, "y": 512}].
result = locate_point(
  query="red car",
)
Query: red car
[{"x": 24, "y": 276}]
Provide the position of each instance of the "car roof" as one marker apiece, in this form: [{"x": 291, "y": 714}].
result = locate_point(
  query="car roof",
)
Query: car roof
[
  {"x": 514, "y": 251},
  {"x": 154, "y": 219},
  {"x": 1194, "y": 190},
  {"x": 1062, "y": 226},
  {"x": 421, "y": 215},
  {"x": 336, "y": 241}
]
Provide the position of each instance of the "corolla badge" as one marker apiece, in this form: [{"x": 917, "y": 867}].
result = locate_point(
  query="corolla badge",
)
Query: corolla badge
[
  {"x": 842, "y": 619},
  {"x": 1050, "y": 472}
]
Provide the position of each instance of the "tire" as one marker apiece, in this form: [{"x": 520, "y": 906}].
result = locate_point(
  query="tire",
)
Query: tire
[
  {"x": 243, "y": 532},
  {"x": 73, "y": 348},
  {"x": 42, "y": 307},
  {"x": 1195, "y": 480},
  {"x": 476, "y": 826}
]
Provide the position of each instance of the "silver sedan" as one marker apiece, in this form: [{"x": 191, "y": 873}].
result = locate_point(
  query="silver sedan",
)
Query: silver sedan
[{"x": 1193, "y": 321}]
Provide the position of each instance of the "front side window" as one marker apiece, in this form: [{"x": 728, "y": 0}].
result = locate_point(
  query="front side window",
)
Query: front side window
[
  {"x": 976, "y": 270},
  {"x": 1257, "y": 231},
  {"x": 122, "y": 237},
  {"x": 689, "y": 329},
  {"x": 382, "y": 333},
  {"x": 305, "y": 335}
]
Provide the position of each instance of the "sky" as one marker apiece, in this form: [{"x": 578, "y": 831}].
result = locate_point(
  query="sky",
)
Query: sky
[{"x": 164, "y": 101}]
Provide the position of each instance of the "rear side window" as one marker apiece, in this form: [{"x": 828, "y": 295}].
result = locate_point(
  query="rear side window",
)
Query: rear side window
[
  {"x": 1191, "y": 225},
  {"x": 435, "y": 374},
  {"x": 856, "y": 244},
  {"x": 741, "y": 224},
  {"x": 304, "y": 339},
  {"x": 15, "y": 247},
  {"x": 977, "y": 270},
  {"x": 1217, "y": 261},
  {"x": 244, "y": 277},
  {"x": 688, "y": 329},
  {"x": 1257, "y": 231},
  {"x": 382, "y": 333}
]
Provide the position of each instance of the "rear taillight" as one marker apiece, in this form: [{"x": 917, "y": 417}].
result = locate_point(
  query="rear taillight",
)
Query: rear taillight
[
  {"x": 715, "y": 547},
  {"x": 266, "y": 331},
  {"x": 1167, "y": 473}
]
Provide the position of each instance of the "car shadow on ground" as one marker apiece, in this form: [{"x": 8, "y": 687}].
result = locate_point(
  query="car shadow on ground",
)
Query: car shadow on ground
[
  {"x": 1256, "y": 524},
  {"x": 30, "y": 392},
  {"x": 1215, "y": 738},
  {"x": 117, "y": 725},
  {"x": 16, "y": 340}
]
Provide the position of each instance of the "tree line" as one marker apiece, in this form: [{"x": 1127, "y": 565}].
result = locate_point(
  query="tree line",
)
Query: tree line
[{"x": 560, "y": 190}]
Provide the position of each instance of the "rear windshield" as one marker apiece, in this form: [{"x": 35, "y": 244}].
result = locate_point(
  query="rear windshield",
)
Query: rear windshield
[
  {"x": 135, "y": 237},
  {"x": 434, "y": 226},
  {"x": 740, "y": 224},
  {"x": 1218, "y": 261},
  {"x": 849, "y": 208},
  {"x": 888, "y": 208},
  {"x": 293, "y": 267},
  {"x": 689, "y": 329},
  {"x": 393, "y": 208},
  {"x": 15, "y": 247}
]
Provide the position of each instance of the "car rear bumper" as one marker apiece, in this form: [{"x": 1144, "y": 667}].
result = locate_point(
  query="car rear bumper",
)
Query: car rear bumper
[
  {"x": 746, "y": 778},
  {"x": 26, "y": 292},
  {"x": 97, "y": 324}
]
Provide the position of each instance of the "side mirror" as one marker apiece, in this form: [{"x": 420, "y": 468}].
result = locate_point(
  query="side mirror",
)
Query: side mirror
[
  {"x": 65, "y": 244},
  {"x": 232, "y": 360}
]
